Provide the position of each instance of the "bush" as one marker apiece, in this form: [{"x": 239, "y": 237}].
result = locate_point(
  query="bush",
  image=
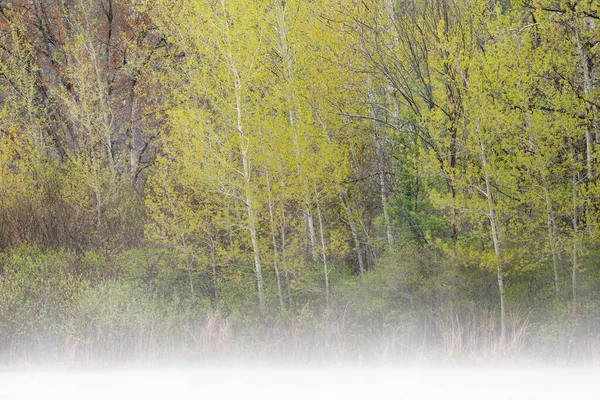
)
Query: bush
[
  {"x": 36, "y": 289},
  {"x": 115, "y": 319}
]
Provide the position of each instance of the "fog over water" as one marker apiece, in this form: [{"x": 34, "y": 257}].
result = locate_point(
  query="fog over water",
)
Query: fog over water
[{"x": 446, "y": 383}]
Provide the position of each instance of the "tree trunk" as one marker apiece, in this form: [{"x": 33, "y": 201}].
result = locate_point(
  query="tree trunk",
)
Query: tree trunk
[
  {"x": 310, "y": 226},
  {"x": 380, "y": 166},
  {"x": 283, "y": 239},
  {"x": 588, "y": 88},
  {"x": 551, "y": 237},
  {"x": 575, "y": 240},
  {"x": 287, "y": 59},
  {"x": 188, "y": 264},
  {"x": 324, "y": 257},
  {"x": 323, "y": 253},
  {"x": 496, "y": 241},
  {"x": 274, "y": 239},
  {"x": 237, "y": 86},
  {"x": 354, "y": 232},
  {"x": 213, "y": 264},
  {"x": 251, "y": 218}
]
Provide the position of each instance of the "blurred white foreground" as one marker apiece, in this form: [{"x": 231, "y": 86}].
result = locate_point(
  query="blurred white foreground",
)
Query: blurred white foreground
[{"x": 306, "y": 384}]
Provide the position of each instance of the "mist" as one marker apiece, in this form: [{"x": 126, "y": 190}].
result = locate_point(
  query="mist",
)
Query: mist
[{"x": 490, "y": 383}]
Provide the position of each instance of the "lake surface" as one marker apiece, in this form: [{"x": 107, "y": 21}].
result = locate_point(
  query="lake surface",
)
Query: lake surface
[{"x": 500, "y": 383}]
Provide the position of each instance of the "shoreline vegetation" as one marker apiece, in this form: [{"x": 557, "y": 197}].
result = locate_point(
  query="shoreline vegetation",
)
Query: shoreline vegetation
[
  {"x": 342, "y": 181},
  {"x": 56, "y": 313}
]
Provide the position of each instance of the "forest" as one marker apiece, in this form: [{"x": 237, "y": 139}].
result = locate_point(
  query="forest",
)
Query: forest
[{"x": 299, "y": 180}]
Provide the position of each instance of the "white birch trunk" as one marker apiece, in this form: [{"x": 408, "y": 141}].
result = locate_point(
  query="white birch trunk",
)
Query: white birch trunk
[
  {"x": 274, "y": 239},
  {"x": 287, "y": 62},
  {"x": 323, "y": 249},
  {"x": 496, "y": 241},
  {"x": 237, "y": 86},
  {"x": 380, "y": 166}
]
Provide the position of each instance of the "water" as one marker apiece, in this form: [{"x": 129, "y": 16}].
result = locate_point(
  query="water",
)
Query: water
[{"x": 307, "y": 384}]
